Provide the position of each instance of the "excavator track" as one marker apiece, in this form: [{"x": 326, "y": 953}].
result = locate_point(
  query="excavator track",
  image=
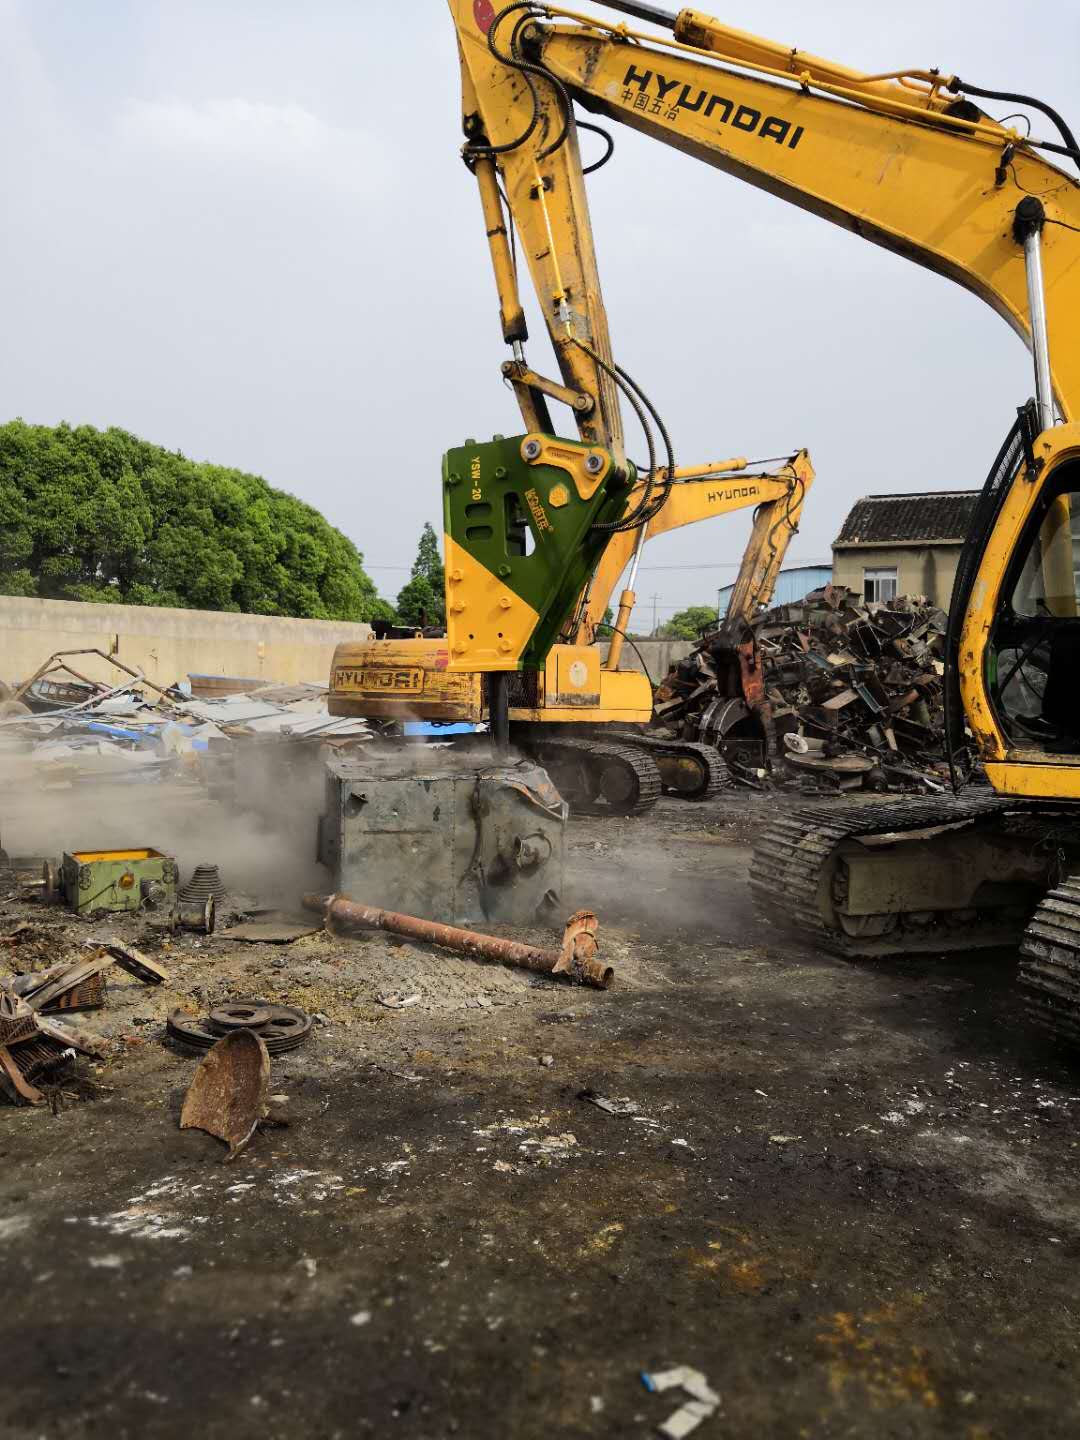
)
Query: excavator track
[
  {"x": 1050, "y": 962},
  {"x": 688, "y": 770},
  {"x": 795, "y": 857},
  {"x": 599, "y": 777}
]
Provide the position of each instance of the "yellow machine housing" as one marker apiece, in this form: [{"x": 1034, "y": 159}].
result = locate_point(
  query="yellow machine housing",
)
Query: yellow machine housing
[
  {"x": 402, "y": 679},
  {"x": 409, "y": 680}
]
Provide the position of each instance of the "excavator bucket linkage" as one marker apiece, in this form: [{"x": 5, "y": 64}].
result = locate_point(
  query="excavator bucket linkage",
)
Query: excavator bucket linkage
[{"x": 521, "y": 542}]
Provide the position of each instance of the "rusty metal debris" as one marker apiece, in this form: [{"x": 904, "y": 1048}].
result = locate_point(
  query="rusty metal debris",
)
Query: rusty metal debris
[
  {"x": 32, "y": 1048},
  {"x": 150, "y": 972},
  {"x": 576, "y": 959},
  {"x": 81, "y": 986},
  {"x": 836, "y": 694},
  {"x": 41, "y": 693},
  {"x": 198, "y": 915},
  {"x": 29, "y": 872},
  {"x": 205, "y": 883},
  {"x": 65, "y": 987},
  {"x": 280, "y": 1027},
  {"x": 227, "y": 1096},
  {"x": 270, "y": 927}
]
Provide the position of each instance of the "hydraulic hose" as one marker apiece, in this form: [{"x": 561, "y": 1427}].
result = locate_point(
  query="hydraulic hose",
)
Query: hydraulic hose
[{"x": 1010, "y": 98}]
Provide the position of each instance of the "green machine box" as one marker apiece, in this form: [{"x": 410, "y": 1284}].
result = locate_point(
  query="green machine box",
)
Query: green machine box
[{"x": 117, "y": 879}]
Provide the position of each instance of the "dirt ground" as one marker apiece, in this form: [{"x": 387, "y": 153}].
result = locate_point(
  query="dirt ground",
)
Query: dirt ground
[{"x": 848, "y": 1195}]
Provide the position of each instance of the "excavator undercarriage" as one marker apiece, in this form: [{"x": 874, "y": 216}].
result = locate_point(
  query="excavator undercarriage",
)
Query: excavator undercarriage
[
  {"x": 622, "y": 773},
  {"x": 935, "y": 876},
  {"x": 910, "y": 875}
]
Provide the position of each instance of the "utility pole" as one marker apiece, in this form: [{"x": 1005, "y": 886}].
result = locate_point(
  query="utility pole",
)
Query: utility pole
[{"x": 655, "y": 597}]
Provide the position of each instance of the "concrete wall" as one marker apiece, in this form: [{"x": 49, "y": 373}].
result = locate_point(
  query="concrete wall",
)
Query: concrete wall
[
  {"x": 657, "y": 654},
  {"x": 167, "y": 644},
  {"x": 920, "y": 569}
]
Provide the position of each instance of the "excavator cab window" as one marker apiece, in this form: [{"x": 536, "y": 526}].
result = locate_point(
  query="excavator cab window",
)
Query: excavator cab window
[{"x": 1035, "y": 659}]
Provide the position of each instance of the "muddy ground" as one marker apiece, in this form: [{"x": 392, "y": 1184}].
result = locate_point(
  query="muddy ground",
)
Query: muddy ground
[{"x": 848, "y": 1195}]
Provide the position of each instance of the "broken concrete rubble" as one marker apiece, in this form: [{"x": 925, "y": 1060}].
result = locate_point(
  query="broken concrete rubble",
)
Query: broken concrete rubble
[{"x": 851, "y": 696}]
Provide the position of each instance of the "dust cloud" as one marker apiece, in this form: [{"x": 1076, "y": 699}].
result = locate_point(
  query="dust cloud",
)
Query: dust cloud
[
  {"x": 689, "y": 882},
  {"x": 253, "y": 813}
]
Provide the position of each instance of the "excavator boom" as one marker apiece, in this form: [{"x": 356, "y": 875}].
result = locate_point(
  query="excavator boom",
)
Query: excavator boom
[{"x": 902, "y": 160}]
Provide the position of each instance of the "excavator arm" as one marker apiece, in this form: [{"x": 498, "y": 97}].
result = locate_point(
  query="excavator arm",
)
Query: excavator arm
[
  {"x": 515, "y": 134},
  {"x": 700, "y": 493}
]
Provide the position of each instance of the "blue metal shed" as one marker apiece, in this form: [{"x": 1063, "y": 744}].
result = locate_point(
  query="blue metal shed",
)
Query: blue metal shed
[{"x": 791, "y": 585}]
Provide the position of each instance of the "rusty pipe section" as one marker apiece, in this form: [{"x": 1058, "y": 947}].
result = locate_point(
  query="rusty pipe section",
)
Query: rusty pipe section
[{"x": 577, "y": 959}]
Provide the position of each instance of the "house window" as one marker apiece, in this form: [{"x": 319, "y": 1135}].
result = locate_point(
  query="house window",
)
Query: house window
[{"x": 879, "y": 584}]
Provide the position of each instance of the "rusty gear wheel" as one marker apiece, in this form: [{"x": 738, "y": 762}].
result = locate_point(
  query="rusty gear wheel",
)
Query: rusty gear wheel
[{"x": 280, "y": 1027}]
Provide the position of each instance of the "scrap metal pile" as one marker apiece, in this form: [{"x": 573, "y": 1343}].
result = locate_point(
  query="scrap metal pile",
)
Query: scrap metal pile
[
  {"x": 853, "y": 696},
  {"x": 68, "y": 728}
]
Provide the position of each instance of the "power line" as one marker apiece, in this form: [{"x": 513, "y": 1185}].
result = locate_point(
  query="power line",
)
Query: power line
[
  {"x": 734, "y": 565},
  {"x": 648, "y": 605}
]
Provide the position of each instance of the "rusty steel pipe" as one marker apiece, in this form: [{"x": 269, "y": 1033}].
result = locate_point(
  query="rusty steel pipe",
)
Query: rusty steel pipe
[{"x": 577, "y": 958}]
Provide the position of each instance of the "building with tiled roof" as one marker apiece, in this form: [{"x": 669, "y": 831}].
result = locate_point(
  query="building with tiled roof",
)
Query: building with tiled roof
[{"x": 893, "y": 545}]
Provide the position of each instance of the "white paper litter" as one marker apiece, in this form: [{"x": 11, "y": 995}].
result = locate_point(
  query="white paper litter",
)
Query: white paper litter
[{"x": 702, "y": 1403}]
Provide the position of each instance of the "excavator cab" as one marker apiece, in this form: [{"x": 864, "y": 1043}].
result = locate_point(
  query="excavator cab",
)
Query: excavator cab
[
  {"x": 1035, "y": 649},
  {"x": 1014, "y": 644}
]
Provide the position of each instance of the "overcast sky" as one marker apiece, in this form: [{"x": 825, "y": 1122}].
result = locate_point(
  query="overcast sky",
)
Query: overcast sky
[{"x": 240, "y": 228}]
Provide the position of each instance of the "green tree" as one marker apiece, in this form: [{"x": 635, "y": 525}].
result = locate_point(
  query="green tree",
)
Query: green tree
[
  {"x": 428, "y": 561},
  {"x": 101, "y": 515},
  {"x": 687, "y": 624},
  {"x": 383, "y": 610},
  {"x": 422, "y": 599}
]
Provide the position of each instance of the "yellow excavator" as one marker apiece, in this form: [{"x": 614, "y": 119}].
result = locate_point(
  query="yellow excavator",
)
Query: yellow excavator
[
  {"x": 552, "y": 523},
  {"x": 585, "y": 719},
  {"x": 912, "y": 161}
]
